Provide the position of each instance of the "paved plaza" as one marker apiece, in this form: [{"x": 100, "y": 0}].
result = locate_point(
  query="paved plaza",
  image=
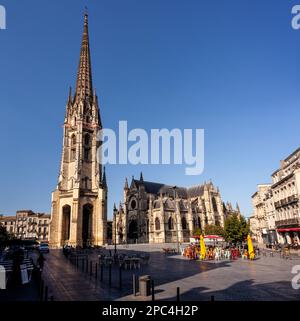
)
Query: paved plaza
[{"x": 266, "y": 278}]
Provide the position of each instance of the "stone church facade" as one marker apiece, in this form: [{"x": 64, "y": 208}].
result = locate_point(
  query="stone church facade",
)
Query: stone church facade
[
  {"x": 79, "y": 202},
  {"x": 152, "y": 210}
]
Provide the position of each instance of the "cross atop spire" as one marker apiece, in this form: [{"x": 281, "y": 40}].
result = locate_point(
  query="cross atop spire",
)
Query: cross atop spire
[{"x": 84, "y": 85}]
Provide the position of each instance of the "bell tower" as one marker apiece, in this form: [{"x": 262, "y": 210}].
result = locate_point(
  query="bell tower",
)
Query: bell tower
[{"x": 79, "y": 202}]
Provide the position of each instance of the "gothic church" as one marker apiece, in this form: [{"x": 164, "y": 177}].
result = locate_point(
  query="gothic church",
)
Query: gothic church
[{"x": 157, "y": 213}]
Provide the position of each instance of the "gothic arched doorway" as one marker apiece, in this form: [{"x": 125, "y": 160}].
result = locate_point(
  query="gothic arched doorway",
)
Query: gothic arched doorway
[
  {"x": 87, "y": 213},
  {"x": 133, "y": 230},
  {"x": 66, "y": 220}
]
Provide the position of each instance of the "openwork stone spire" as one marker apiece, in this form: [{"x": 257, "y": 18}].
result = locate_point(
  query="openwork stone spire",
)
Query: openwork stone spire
[
  {"x": 84, "y": 85},
  {"x": 79, "y": 203}
]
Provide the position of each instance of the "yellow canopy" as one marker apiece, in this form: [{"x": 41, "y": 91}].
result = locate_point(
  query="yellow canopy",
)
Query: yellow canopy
[
  {"x": 202, "y": 248},
  {"x": 250, "y": 248}
]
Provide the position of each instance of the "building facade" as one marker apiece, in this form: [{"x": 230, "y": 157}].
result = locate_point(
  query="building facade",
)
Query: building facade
[
  {"x": 27, "y": 225},
  {"x": 254, "y": 230},
  {"x": 286, "y": 196},
  {"x": 157, "y": 213},
  {"x": 280, "y": 201},
  {"x": 260, "y": 213},
  {"x": 9, "y": 222},
  {"x": 79, "y": 203}
]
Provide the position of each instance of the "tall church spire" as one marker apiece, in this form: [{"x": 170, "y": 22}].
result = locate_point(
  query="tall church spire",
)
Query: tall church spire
[
  {"x": 81, "y": 194},
  {"x": 84, "y": 85}
]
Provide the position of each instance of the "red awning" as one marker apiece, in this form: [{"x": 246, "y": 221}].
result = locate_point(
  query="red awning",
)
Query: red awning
[
  {"x": 292, "y": 229},
  {"x": 208, "y": 237}
]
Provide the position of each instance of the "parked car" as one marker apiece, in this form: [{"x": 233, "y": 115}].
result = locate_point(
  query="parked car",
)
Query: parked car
[{"x": 44, "y": 247}]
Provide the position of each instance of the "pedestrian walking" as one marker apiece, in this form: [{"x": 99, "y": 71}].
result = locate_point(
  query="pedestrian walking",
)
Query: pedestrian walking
[{"x": 41, "y": 259}]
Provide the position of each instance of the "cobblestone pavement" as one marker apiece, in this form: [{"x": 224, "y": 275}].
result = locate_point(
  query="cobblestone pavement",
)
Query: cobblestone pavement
[
  {"x": 267, "y": 278},
  {"x": 67, "y": 283}
]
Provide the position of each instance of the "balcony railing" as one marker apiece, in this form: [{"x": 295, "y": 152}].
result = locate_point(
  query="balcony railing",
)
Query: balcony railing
[
  {"x": 288, "y": 222},
  {"x": 286, "y": 201}
]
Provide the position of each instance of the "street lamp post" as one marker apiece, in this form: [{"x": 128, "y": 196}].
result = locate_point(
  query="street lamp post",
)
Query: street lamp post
[
  {"x": 177, "y": 237},
  {"x": 115, "y": 233}
]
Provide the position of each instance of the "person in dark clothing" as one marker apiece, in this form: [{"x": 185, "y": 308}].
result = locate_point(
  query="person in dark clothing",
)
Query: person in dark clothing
[
  {"x": 18, "y": 257},
  {"x": 41, "y": 259}
]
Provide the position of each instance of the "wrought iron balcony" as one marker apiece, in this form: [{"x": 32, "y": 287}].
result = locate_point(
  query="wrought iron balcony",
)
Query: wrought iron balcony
[
  {"x": 288, "y": 222},
  {"x": 286, "y": 201}
]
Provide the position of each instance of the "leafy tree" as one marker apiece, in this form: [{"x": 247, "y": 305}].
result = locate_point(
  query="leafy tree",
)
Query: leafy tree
[
  {"x": 245, "y": 227},
  {"x": 197, "y": 231},
  {"x": 4, "y": 235},
  {"x": 236, "y": 229},
  {"x": 214, "y": 230}
]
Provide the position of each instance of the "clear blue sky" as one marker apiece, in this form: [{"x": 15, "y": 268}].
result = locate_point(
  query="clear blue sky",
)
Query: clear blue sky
[{"x": 230, "y": 67}]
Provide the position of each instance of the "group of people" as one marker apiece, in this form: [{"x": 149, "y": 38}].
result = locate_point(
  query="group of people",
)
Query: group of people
[{"x": 217, "y": 253}]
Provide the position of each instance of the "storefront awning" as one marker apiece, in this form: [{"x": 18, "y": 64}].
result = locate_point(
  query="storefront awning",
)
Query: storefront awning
[
  {"x": 211, "y": 237},
  {"x": 292, "y": 229}
]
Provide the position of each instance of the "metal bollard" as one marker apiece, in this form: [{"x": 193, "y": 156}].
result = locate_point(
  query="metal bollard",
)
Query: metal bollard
[
  {"x": 120, "y": 278},
  {"x": 82, "y": 264},
  {"x": 109, "y": 275},
  {"x": 91, "y": 268},
  {"x": 134, "y": 284},
  {"x": 178, "y": 294},
  {"x": 152, "y": 290},
  {"x": 101, "y": 272},
  {"x": 96, "y": 271},
  {"x": 212, "y": 298},
  {"x": 87, "y": 266},
  {"x": 46, "y": 293}
]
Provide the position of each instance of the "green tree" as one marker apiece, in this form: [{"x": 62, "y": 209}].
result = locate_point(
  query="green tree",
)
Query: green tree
[
  {"x": 4, "y": 235},
  {"x": 197, "y": 231},
  {"x": 214, "y": 230},
  {"x": 245, "y": 227},
  {"x": 236, "y": 229}
]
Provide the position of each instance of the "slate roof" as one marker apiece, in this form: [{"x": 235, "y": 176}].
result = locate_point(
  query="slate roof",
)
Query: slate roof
[{"x": 158, "y": 188}]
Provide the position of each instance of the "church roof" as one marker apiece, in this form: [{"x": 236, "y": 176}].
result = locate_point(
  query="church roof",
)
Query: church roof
[
  {"x": 160, "y": 188},
  {"x": 150, "y": 187},
  {"x": 195, "y": 191}
]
